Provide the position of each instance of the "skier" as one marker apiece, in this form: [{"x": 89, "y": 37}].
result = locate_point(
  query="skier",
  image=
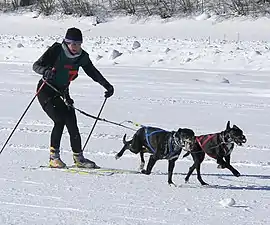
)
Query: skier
[{"x": 59, "y": 66}]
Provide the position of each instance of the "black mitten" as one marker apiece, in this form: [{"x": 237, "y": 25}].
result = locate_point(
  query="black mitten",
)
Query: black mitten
[{"x": 109, "y": 92}]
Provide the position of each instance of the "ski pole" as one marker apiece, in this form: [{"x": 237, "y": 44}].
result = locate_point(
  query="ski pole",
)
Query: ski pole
[
  {"x": 51, "y": 86},
  {"x": 103, "y": 104},
  {"x": 44, "y": 82}
]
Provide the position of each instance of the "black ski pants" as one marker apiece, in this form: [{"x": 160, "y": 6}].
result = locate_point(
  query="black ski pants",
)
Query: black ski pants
[{"x": 61, "y": 115}]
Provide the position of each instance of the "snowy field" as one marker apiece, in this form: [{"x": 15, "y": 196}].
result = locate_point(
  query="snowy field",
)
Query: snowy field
[{"x": 198, "y": 78}]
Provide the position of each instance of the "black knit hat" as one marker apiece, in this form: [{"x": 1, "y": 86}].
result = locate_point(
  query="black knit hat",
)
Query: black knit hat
[{"x": 73, "y": 35}]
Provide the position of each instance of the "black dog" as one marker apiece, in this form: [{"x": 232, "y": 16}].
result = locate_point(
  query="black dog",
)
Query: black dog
[
  {"x": 161, "y": 144},
  {"x": 217, "y": 146}
]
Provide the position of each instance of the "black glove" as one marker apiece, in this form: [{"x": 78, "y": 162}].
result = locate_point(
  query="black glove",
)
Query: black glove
[
  {"x": 67, "y": 99},
  {"x": 69, "y": 103},
  {"x": 49, "y": 74},
  {"x": 109, "y": 92}
]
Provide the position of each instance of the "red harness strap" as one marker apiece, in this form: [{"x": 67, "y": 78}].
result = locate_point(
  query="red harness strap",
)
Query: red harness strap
[{"x": 209, "y": 137}]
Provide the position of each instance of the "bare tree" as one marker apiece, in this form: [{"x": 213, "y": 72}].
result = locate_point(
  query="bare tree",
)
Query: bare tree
[
  {"x": 46, "y": 6},
  {"x": 27, "y": 2},
  {"x": 186, "y": 6},
  {"x": 129, "y": 6}
]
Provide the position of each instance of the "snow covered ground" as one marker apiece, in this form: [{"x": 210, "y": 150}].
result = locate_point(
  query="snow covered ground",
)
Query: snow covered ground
[{"x": 189, "y": 73}]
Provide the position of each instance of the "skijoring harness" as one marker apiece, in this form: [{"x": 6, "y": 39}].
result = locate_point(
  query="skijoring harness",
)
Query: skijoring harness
[
  {"x": 227, "y": 146},
  {"x": 173, "y": 144}
]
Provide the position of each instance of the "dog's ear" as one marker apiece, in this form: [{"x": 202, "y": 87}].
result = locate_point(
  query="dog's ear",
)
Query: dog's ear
[
  {"x": 228, "y": 126},
  {"x": 179, "y": 130}
]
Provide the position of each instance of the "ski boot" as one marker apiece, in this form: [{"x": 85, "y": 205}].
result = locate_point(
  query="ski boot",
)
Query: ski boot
[
  {"x": 55, "y": 160},
  {"x": 82, "y": 162}
]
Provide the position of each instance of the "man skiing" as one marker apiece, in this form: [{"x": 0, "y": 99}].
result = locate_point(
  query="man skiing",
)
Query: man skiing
[{"x": 59, "y": 66}]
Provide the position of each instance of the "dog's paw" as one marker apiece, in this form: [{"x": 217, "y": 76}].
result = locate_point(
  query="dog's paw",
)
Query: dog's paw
[
  {"x": 145, "y": 172},
  {"x": 186, "y": 179},
  {"x": 172, "y": 184},
  {"x": 116, "y": 156},
  {"x": 236, "y": 173},
  {"x": 221, "y": 167},
  {"x": 142, "y": 166}
]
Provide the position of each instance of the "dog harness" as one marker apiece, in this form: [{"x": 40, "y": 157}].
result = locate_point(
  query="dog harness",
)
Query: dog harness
[
  {"x": 204, "y": 139},
  {"x": 173, "y": 145}
]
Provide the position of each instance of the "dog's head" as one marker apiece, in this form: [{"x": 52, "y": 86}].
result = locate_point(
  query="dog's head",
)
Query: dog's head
[
  {"x": 187, "y": 138},
  {"x": 235, "y": 134}
]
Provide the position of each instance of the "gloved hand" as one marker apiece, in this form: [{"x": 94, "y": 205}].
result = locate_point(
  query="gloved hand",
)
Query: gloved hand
[
  {"x": 69, "y": 103},
  {"x": 67, "y": 99},
  {"x": 109, "y": 92},
  {"x": 49, "y": 74}
]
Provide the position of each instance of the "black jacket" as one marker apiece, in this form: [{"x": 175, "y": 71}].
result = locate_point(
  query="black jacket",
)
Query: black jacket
[{"x": 49, "y": 58}]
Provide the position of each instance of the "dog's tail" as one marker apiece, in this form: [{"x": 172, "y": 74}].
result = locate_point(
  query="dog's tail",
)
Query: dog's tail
[
  {"x": 186, "y": 154},
  {"x": 124, "y": 139}
]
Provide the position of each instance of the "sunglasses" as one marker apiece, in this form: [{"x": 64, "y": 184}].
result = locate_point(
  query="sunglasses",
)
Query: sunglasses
[{"x": 73, "y": 42}]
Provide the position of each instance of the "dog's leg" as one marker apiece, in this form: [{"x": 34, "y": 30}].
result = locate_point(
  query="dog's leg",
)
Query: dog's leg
[
  {"x": 224, "y": 164},
  {"x": 198, "y": 157},
  {"x": 199, "y": 177},
  {"x": 196, "y": 165},
  {"x": 190, "y": 171},
  {"x": 227, "y": 160},
  {"x": 170, "y": 171},
  {"x": 150, "y": 165},
  {"x": 142, "y": 160}
]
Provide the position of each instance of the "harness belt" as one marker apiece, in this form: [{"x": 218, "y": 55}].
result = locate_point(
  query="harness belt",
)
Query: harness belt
[
  {"x": 172, "y": 146},
  {"x": 204, "y": 139}
]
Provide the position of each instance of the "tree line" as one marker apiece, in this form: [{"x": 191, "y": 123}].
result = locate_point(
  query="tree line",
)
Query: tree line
[{"x": 162, "y": 8}]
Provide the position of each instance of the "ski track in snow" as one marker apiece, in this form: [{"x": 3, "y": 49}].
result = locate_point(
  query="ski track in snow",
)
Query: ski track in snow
[
  {"x": 111, "y": 155},
  {"x": 119, "y": 137}
]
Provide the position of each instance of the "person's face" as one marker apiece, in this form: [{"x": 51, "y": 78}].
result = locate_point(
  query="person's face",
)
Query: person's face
[{"x": 74, "y": 47}]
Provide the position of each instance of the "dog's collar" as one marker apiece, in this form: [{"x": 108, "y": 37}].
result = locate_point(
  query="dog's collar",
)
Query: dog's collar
[
  {"x": 225, "y": 143},
  {"x": 173, "y": 147},
  {"x": 229, "y": 139},
  {"x": 177, "y": 140}
]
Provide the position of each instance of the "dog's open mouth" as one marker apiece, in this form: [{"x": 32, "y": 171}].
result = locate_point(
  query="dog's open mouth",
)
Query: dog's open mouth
[{"x": 240, "y": 140}]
